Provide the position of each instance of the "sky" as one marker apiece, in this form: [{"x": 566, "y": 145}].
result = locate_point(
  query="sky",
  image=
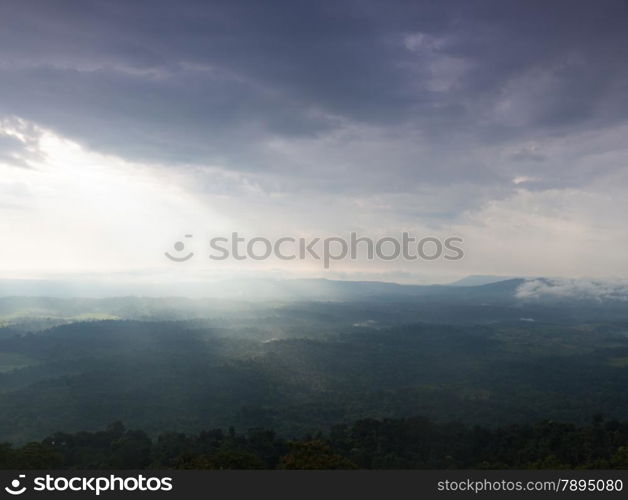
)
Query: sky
[{"x": 125, "y": 126}]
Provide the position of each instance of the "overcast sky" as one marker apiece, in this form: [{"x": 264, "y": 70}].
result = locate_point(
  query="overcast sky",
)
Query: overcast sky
[{"x": 126, "y": 125}]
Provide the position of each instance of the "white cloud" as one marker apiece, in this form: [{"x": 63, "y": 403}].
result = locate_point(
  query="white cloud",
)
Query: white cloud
[{"x": 584, "y": 289}]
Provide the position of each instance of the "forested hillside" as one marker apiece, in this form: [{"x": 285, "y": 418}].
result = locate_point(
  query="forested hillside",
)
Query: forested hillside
[
  {"x": 303, "y": 369},
  {"x": 367, "y": 444}
]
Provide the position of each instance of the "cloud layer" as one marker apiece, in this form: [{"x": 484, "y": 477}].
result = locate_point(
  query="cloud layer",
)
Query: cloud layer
[
  {"x": 473, "y": 117},
  {"x": 574, "y": 289}
]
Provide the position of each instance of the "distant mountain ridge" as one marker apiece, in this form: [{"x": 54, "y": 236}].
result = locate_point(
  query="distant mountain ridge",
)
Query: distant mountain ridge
[
  {"x": 481, "y": 279},
  {"x": 511, "y": 293}
]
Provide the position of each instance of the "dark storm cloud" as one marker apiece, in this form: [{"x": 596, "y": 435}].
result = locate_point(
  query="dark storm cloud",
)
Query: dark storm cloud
[{"x": 214, "y": 82}]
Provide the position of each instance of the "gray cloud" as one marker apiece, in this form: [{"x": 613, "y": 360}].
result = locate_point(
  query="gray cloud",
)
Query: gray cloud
[{"x": 338, "y": 96}]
